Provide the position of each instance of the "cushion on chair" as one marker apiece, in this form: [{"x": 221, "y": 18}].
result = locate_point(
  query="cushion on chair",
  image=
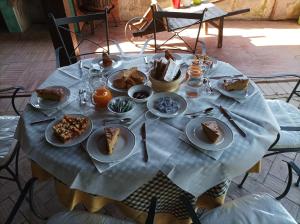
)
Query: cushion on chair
[
  {"x": 80, "y": 217},
  {"x": 286, "y": 115},
  {"x": 8, "y": 126},
  {"x": 250, "y": 209}
]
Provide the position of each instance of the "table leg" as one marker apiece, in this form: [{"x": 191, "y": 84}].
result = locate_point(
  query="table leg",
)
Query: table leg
[
  {"x": 206, "y": 28},
  {"x": 220, "y": 35}
]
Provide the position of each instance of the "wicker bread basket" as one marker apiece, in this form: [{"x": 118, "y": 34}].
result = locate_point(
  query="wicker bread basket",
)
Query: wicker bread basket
[{"x": 164, "y": 86}]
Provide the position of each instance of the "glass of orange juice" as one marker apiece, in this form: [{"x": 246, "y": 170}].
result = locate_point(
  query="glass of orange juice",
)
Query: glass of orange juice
[{"x": 101, "y": 95}]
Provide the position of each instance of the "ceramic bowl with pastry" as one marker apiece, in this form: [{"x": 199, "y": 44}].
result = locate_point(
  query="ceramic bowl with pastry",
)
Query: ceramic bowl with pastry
[
  {"x": 159, "y": 84},
  {"x": 49, "y": 97},
  {"x": 121, "y": 105},
  {"x": 140, "y": 93},
  {"x": 123, "y": 80}
]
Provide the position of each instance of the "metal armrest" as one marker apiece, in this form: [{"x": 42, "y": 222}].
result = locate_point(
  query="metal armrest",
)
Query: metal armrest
[
  {"x": 12, "y": 93},
  {"x": 287, "y": 128},
  {"x": 237, "y": 12},
  {"x": 279, "y": 75}
]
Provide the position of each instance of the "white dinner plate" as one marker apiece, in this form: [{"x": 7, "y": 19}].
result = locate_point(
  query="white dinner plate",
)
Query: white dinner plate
[
  {"x": 236, "y": 94},
  {"x": 39, "y": 103},
  {"x": 50, "y": 138},
  {"x": 197, "y": 137},
  {"x": 116, "y": 62},
  {"x": 117, "y": 75},
  {"x": 162, "y": 55},
  {"x": 179, "y": 99},
  {"x": 96, "y": 145}
]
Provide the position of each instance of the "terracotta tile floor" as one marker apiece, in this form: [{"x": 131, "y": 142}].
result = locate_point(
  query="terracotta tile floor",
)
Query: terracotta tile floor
[{"x": 254, "y": 47}]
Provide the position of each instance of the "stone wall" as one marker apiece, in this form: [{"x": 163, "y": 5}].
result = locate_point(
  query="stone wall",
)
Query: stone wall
[{"x": 260, "y": 9}]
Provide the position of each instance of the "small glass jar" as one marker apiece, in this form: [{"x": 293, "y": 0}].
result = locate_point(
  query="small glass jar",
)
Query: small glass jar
[{"x": 101, "y": 95}]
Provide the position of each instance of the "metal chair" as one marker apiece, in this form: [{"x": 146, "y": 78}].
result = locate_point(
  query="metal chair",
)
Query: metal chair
[
  {"x": 288, "y": 118},
  {"x": 256, "y": 208},
  {"x": 67, "y": 39},
  {"x": 76, "y": 217},
  {"x": 9, "y": 146},
  {"x": 164, "y": 19}
]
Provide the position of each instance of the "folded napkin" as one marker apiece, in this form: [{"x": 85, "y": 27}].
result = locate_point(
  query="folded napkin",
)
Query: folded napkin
[
  {"x": 102, "y": 167},
  {"x": 212, "y": 154}
]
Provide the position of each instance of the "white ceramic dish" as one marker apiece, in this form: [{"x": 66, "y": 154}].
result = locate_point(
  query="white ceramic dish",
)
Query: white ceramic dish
[
  {"x": 197, "y": 137},
  {"x": 39, "y": 103},
  {"x": 96, "y": 145},
  {"x": 116, "y": 62},
  {"x": 237, "y": 94},
  {"x": 179, "y": 99},
  {"x": 50, "y": 138},
  {"x": 122, "y": 98},
  {"x": 117, "y": 75},
  {"x": 139, "y": 88}
]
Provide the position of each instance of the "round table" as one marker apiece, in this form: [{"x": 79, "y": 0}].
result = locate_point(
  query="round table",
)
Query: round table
[{"x": 174, "y": 166}]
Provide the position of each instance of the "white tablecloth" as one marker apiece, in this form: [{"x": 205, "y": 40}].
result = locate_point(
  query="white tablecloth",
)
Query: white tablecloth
[{"x": 190, "y": 169}]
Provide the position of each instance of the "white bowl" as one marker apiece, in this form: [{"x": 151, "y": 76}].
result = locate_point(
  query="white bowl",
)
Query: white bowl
[
  {"x": 121, "y": 98},
  {"x": 139, "y": 88}
]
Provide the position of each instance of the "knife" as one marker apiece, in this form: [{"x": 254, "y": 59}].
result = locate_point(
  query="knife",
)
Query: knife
[
  {"x": 42, "y": 121},
  {"x": 230, "y": 119},
  {"x": 143, "y": 133}
]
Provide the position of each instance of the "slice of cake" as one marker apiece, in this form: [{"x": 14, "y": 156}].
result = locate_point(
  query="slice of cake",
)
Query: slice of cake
[
  {"x": 51, "y": 93},
  {"x": 211, "y": 130},
  {"x": 236, "y": 84},
  {"x": 111, "y": 136},
  {"x": 106, "y": 60}
]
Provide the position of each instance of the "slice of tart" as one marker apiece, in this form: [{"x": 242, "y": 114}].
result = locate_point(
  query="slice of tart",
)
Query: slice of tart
[
  {"x": 235, "y": 84},
  {"x": 211, "y": 130},
  {"x": 111, "y": 136}
]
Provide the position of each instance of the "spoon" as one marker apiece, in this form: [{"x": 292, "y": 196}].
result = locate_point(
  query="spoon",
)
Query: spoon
[
  {"x": 118, "y": 121},
  {"x": 206, "y": 111}
]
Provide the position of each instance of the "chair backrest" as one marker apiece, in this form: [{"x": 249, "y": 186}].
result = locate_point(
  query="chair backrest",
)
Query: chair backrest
[
  {"x": 176, "y": 22},
  {"x": 69, "y": 38}
]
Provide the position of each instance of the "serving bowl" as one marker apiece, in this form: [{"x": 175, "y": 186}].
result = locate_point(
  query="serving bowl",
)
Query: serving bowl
[
  {"x": 140, "y": 89},
  {"x": 121, "y": 105},
  {"x": 164, "y": 86}
]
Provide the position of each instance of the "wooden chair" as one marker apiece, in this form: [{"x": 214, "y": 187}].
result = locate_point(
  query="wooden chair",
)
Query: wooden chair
[
  {"x": 166, "y": 19},
  {"x": 76, "y": 217},
  {"x": 67, "y": 46},
  {"x": 288, "y": 118}
]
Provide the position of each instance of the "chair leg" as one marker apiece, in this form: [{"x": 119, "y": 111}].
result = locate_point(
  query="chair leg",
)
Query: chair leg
[
  {"x": 20, "y": 200},
  {"x": 288, "y": 186},
  {"x": 243, "y": 181},
  {"x": 293, "y": 92},
  {"x": 15, "y": 177},
  {"x": 298, "y": 181}
]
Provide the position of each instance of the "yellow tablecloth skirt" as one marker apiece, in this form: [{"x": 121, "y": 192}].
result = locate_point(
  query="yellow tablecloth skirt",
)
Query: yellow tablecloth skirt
[{"x": 93, "y": 203}]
